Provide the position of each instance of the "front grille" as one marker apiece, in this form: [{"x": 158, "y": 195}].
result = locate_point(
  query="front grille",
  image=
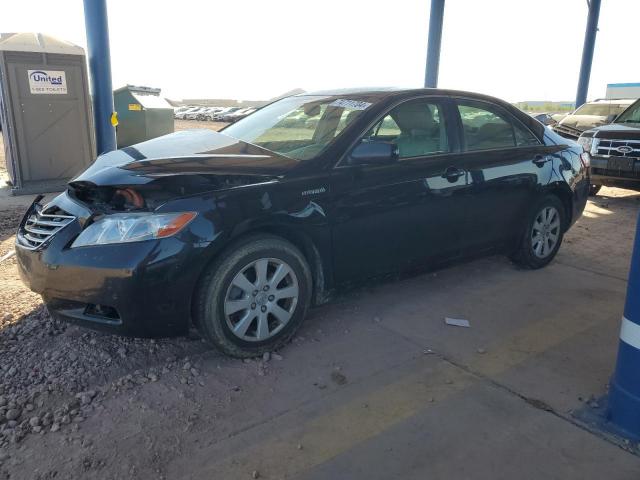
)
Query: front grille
[
  {"x": 609, "y": 148},
  {"x": 41, "y": 224}
]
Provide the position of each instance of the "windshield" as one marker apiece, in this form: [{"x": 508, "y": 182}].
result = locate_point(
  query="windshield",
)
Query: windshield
[
  {"x": 631, "y": 114},
  {"x": 600, "y": 109},
  {"x": 298, "y": 127}
]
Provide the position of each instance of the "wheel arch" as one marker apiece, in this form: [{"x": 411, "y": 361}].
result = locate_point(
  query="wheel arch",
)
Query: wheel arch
[
  {"x": 563, "y": 192},
  {"x": 310, "y": 251},
  {"x": 320, "y": 273}
]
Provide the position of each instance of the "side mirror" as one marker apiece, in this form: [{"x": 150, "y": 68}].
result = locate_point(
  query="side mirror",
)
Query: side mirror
[
  {"x": 373, "y": 153},
  {"x": 611, "y": 118}
]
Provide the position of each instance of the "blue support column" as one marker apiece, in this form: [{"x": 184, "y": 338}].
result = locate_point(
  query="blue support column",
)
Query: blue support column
[
  {"x": 587, "y": 51},
  {"x": 97, "y": 26},
  {"x": 624, "y": 392},
  {"x": 435, "y": 40}
]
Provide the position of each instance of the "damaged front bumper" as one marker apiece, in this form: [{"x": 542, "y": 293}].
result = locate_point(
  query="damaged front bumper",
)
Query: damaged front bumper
[{"x": 139, "y": 288}]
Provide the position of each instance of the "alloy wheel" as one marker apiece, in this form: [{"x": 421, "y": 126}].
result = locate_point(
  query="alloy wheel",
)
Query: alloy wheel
[
  {"x": 261, "y": 299},
  {"x": 545, "y": 232}
]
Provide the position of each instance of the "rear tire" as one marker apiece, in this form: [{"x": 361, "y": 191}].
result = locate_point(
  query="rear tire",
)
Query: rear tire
[
  {"x": 543, "y": 234},
  {"x": 594, "y": 189},
  {"x": 254, "y": 297}
]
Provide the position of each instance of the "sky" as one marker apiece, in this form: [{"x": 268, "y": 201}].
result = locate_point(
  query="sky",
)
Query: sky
[{"x": 519, "y": 50}]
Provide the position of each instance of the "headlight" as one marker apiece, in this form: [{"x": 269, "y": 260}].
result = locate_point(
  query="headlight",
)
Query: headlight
[
  {"x": 586, "y": 143},
  {"x": 132, "y": 227}
]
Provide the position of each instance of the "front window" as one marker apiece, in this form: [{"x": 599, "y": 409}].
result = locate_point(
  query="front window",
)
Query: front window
[
  {"x": 631, "y": 114},
  {"x": 299, "y": 127},
  {"x": 415, "y": 126}
]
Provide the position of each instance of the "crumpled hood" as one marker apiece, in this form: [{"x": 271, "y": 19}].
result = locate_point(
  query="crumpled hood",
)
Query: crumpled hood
[
  {"x": 188, "y": 152},
  {"x": 583, "y": 122}
]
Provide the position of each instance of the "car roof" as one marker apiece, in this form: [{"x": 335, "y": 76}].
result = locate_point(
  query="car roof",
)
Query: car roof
[
  {"x": 352, "y": 91},
  {"x": 390, "y": 92},
  {"x": 387, "y": 94}
]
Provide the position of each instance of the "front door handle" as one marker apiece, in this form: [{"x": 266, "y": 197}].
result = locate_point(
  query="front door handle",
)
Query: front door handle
[
  {"x": 453, "y": 173},
  {"x": 540, "y": 160}
]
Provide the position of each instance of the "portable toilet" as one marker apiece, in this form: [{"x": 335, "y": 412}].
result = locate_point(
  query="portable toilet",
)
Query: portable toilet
[
  {"x": 142, "y": 114},
  {"x": 45, "y": 112}
]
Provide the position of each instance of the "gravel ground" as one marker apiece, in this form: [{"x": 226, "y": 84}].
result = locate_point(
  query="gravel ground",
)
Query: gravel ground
[{"x": 53, "y": 374}]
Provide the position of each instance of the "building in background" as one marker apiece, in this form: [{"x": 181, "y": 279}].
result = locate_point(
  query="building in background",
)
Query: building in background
[{"x": 623, "y": 90}]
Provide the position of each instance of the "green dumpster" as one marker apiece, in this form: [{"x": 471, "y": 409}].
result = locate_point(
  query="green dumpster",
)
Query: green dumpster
[{"x": 142, "y": 114}]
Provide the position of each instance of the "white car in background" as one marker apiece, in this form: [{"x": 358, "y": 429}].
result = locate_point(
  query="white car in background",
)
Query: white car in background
[
  {"x": 218, "y": 117},
  {"x": 179, "y": 111},
  {"x": 193, "y": 114},
  {"x": 183, "y": 114},
  {"x": 209, "y": 113}
]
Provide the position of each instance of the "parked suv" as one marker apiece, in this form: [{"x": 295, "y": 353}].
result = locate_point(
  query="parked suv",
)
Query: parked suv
[
  {"x": 590, "y": 115},
  {"x": 615, "y": 151}
]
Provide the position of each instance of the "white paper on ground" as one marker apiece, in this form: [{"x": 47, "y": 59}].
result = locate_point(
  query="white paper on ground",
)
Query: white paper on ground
[
  {"x": 457, "y": 322},
  {"x": 7, "y": 255}
]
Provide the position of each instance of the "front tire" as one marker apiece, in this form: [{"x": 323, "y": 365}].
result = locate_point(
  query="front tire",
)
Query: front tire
[
  {"x": 254, "y": 297},
  {"x": 543, "y": 234}
]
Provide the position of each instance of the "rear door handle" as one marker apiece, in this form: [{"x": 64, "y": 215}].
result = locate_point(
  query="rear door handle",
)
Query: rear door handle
[
  {"x": 540, "y": 160},
  {"x": 453, "y": 173}
]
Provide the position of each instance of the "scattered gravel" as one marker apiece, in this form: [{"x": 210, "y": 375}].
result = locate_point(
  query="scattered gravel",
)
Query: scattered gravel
[{"x": 53, "y": 374}]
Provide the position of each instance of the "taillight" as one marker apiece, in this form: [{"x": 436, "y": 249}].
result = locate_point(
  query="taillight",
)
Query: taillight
[{"x": 585, "y": 158}]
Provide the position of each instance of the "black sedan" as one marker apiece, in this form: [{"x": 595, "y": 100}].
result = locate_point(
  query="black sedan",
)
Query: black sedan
[{"x": 239, "y": 232}]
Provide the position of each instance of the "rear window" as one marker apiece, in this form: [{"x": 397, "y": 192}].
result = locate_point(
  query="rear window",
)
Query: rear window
[{"x": 485, "y": 128}]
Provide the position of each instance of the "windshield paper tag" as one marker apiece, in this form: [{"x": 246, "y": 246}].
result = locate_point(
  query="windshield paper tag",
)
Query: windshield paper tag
[{"x": 352, "y": 104}]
